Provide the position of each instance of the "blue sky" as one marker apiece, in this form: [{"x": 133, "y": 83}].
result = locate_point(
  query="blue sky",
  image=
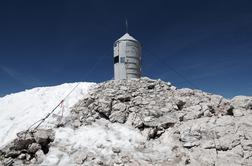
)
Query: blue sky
[{"x": 195, "y": 44}]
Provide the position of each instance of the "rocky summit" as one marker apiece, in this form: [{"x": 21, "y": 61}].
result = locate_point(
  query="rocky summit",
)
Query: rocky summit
[{"x": 177, "y": 126}]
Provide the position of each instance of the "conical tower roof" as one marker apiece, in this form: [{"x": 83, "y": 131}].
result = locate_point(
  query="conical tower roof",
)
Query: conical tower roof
[{"x": 127, "y": 36}]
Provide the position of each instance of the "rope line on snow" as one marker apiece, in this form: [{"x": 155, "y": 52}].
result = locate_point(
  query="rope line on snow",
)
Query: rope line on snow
[{"x": 39, "y": 122}]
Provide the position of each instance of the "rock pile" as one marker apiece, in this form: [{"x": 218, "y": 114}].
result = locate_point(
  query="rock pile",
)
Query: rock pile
[
  {"x": 28, "y": 147},
  {"x": 148, "y": 105},
  {"x": 194, "y": 127},
  {"x": 178, "y": 127}
]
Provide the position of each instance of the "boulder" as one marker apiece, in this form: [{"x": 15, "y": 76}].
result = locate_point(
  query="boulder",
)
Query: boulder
[
  {"x": 13, "y": 153},
  {"x": 118, "y": 116},
  {"x": 119, "y": 107},
  {"x": 39, "y": 156},
  {"x": 23, "y": 141},
  {"x": 80, "y": 157},
  {"x": 116, "y": 149},
  {"x": 44, "y": 136},
  {"x": 33, "y": 148},
  {"x": 243, "y": 102}
]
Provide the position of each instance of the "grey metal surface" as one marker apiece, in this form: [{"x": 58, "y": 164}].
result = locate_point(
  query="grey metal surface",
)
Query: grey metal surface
[{"x": 129, "y": 51}]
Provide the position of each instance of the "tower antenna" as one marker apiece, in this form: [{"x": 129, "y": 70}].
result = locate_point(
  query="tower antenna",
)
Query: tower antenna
[{"x": 126, "y": 25}]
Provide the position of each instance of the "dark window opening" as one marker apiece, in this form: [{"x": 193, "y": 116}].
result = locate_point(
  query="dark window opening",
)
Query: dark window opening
[
  {"x": 122, "y": 60},
  {"x": 116, "y": 59}
]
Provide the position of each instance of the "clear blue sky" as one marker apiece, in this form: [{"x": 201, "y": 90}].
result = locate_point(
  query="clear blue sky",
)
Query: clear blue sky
[{"x": 49, "y": 42}]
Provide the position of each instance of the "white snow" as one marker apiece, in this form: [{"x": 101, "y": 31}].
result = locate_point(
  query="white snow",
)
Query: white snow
[
  {"x": 20, "y": 110},
  {"x": 89, "y": 138}
]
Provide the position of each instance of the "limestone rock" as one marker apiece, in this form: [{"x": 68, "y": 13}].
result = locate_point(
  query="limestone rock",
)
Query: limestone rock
[
  {"x": 44, "y": 136},
  {"x": 244, "y": 102},
  {"x": 34, "y": 147},
  {"x": 116, "y": 149},
  {"x": 176, "y": 126},
  {"x": 39, "y": 155},
  {"x": 23, "y": 141},
  {"x": 118, "y": 116},
  {"x": 13, "y": 153},
  {"x": 80, "y": 157}
]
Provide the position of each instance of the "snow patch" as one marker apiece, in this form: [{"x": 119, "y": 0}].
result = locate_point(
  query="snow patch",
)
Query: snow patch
[
  {"x": 99, "y": 138},
  {"x": 20, "y": 110}
]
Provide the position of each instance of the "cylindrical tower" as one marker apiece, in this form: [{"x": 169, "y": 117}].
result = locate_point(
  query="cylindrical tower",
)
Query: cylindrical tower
[{"x": 127, "y": 58}]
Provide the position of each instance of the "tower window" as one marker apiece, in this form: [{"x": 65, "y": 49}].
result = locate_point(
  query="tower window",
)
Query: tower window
[
  {"x": 122, "y": 60},
  {"x": 116, "y": 59}
]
